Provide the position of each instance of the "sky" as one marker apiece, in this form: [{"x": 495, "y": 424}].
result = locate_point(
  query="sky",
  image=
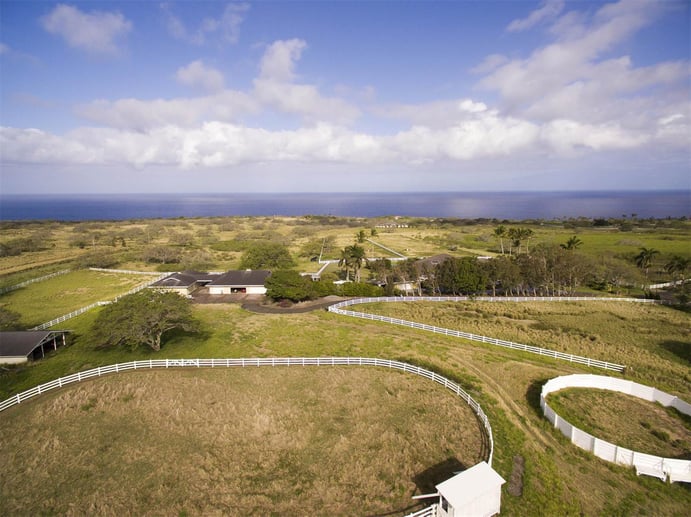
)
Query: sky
[{"x": 344, "y": 96}]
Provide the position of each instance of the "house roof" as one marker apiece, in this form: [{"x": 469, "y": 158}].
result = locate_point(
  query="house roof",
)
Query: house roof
[
  {"x": 185, "y": 279},
  {"x": 476, "y": 482},
  {"x": 22, "y": 343},
  {"x": 242, "y": 278}
]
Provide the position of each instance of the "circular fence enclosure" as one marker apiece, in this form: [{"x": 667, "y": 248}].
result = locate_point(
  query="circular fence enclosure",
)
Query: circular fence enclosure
[{"x": 646, "y": 464}]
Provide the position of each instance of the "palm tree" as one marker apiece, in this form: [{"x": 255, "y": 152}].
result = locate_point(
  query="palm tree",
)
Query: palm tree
[
  {"x": 360, "y": 236},
  {"x": 644, "y": 259},
  {"x": 677, "y": 267},
  {"x": 345, "y": 262},
  {"x": 572, "y": 244},
  {"x": 500, "y": 232},
  {"x": 357, "y": 259}
]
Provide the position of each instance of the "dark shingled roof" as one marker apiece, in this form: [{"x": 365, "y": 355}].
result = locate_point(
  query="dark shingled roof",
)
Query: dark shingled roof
[
  {"x": 22, "y": 343},
  {"x": 244, "y": 278},
  {"x": 185, "y": 279}
]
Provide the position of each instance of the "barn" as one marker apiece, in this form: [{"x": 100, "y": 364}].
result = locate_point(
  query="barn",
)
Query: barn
[
  {"x": 246, "y": 281},
  {"x": 23, "y": 346}
]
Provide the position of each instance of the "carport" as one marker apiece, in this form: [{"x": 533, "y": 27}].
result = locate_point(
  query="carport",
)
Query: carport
[{"x": 31, "y": 345}]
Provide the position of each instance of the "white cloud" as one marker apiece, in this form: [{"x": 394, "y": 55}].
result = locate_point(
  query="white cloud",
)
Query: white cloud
[
  {"x": 197, "y": 74},
  {"x": 144, "y": 115},
  {"x": 4, "y": 49},
  {"x": 577, "y": 77},
  {"x": 95, "y": 32},
  {"x": 549, "y": 10},
  {"x": 278, "y": 62},
  {"x": 225, "y": 28}
]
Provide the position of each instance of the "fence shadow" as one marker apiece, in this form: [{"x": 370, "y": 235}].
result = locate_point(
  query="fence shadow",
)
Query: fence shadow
[{"x": 532, "y": 395}]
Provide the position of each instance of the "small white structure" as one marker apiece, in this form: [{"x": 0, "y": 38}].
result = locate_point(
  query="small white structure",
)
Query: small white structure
[{"x": 475, "y": 492}]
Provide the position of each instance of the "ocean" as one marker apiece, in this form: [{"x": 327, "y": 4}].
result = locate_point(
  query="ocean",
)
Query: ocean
[{"x": 468, "y": 205}]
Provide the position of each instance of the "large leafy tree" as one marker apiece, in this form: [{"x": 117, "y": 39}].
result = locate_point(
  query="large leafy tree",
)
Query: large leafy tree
[
  {"x": 142, "y": 319},
  {"x": 288, "y": 284},
  {"x": 461, "y": 276},
  {"x": 267, "y": 255}
]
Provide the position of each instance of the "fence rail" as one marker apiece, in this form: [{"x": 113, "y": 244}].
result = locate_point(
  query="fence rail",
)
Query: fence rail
[
  {"x": 587, "y": 361},
  {"x": 32, "y": 281},
  {"x": 259, "y": 361},
  {"x": 647, "y": 464},
  {"x": 82, "y": 310}
]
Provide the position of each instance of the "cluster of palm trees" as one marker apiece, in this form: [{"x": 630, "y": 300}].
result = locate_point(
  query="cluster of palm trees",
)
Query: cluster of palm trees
[
  {"x": 516, "y": 236},
  {"x": 352, "y": 258}
]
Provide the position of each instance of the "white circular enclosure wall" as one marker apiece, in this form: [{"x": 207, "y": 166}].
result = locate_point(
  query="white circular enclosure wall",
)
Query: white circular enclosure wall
[{"x": 663, "y": 468}]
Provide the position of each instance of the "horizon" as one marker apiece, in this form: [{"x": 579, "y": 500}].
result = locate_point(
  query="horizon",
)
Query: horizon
[{"x": 327, "y": 97}]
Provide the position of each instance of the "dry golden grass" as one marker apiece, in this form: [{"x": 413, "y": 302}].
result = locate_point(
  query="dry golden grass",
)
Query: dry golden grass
[
  {"x": 627, "y": 421},
  {"x": 284, "y": 441}
]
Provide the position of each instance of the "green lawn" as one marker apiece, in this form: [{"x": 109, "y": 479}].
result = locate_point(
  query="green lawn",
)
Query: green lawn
[{"x": 43, "y": 301}]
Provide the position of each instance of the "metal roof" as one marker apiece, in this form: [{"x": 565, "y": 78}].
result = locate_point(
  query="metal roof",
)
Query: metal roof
[{"x": 23, "y": 343}]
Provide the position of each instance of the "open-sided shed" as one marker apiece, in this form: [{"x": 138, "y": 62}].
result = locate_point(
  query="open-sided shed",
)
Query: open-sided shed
[{"x": 22, "y": 346}]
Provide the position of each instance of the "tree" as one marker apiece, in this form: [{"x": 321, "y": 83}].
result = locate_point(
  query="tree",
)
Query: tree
[
  {"x": 352, "y": 257},
  {"x": 266, "y": 255},
  {"x": 288, "y": 284},
  {"x": 373, "y": 232},
  {"x": 572, "y": 244},
  {"x": 461, "y": 276},
  {"x": 357, "y": 259},
  {"x": 500, "y": 232},
  {"x": 360, "y": 236},
  {"x": 677, "y": 267},
  {"x": 142, "y": 319},
  {"x": 644, "y": 259}
]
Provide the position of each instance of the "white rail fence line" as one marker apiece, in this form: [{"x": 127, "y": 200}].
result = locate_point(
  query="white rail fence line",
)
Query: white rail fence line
[
  {"x": 258, "y": 361},
  {"x": 72, "y": 314},
  {"x": 33, "y": 280},
  {"x": 595, "y": 363},
  {"x": 647, "y": 464},
  {"x": 126, "y": 271},
  {"x": 430, "y": 511}
]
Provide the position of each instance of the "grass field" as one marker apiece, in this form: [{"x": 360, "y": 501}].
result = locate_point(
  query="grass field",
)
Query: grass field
[
  {"x": 628, "y": 421},
  {"x": 48, "y": 299},
  {"x": 556, "y": 478},
  {"x": 296, "y": 441}
]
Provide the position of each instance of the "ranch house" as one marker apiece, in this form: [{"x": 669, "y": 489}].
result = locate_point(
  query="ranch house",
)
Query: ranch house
[{"x": 231, "y": 282}]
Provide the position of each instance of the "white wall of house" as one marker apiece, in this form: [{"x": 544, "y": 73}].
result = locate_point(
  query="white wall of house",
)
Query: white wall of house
[{"x": 256, "y": 289}]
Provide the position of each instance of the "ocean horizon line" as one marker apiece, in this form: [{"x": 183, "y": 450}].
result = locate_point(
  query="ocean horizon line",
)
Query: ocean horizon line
[{"x": 509, "y": 205}]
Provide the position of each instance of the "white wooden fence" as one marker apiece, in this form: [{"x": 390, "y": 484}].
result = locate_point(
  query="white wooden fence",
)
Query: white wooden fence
[
  {"x": 72, "y": 314},
  {"x": 32, "y": 281},
  {"x": 595, "y": 363},
  {"x": 647, "y": 464},
  {"x": 258, "y": 361}
]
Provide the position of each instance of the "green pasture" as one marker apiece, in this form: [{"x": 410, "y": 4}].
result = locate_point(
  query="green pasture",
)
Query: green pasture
[
  {"x": 48, "y": 299},
  {"x": 558, "y": 478}
]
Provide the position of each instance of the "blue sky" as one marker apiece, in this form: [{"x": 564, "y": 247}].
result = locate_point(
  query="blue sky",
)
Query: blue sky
[{"x": 320, "y": 96}]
